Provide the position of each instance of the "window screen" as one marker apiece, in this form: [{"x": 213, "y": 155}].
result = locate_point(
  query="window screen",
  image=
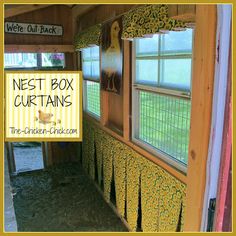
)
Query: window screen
[
  {"x": 161, "y": 95},
  {"x": 91, "y": 75}
]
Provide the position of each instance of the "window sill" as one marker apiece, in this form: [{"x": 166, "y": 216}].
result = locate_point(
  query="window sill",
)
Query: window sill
[
  {"x": 114, "y": 129},
  {"x": 174, "y": 163},
  {"x": 92, "y": 115}
]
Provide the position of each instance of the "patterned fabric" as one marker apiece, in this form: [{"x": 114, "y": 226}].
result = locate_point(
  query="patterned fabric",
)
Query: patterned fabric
[
  {"x": 88, "y": 37},
  {"x": 85, "y": 148},
  {"x": 147, "y": 20},
  {"x": 91, "y": 163},
  {"x": 150, "y": 192},
  {"x": 119, "y": 162},
  {"x": 99, "y": 151},
  {"x": 107, "y": 166},
  {"x": 162, "y": 195},
  {"x": 133, "y": 186}
]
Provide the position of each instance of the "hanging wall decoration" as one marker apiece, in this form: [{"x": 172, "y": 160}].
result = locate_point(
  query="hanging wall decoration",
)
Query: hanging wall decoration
[
  {"x": 111, "y": 61},
  {"x": 29, "y": 28}
]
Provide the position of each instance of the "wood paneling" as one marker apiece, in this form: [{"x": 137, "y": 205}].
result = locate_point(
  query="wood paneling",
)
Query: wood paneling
[
  {"x": 67, "y": 152},
  {"x": 77, "y": 11},
  {"x": 172, "y": 10},
  {"x": 55, "y": 14},
  {"x": 182, "y": 12},
  {"x": 14, "y": 10},
  {"x": 38, "y": 48},
  {"x": 70, "y": 62},
  {"x": 202, "y": 91},
  {"x": 101, "y": 14},
  {"x": 115, "y": 111},
  {"x": 104, "y": 107}
]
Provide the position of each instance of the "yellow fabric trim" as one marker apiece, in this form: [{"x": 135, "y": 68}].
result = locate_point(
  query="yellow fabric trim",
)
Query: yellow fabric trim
[
  {"x": 88, "y": 37},
  {"x": 147, "y": 20}
]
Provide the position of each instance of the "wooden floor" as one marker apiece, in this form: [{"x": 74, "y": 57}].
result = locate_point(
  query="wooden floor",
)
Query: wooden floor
[{"x": 62, "y": 198}]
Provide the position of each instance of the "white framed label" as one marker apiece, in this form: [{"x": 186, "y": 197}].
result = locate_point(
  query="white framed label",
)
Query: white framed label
[{"x": 37, "y": 29}]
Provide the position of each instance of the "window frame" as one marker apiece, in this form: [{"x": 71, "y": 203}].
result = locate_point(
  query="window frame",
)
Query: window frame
[
  {"x": 151, "y": 88},
  {"x": 39, "y": 66},
  {"x": 85, "y": 80}
]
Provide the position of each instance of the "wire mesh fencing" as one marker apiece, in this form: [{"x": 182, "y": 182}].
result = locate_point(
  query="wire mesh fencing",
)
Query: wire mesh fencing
[{"x": 164, "y": 123}]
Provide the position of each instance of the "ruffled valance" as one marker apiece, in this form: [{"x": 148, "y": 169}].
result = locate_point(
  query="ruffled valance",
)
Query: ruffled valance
[
  {"x": 89, "y": 37},
  {"x": 148, "y": 20}
]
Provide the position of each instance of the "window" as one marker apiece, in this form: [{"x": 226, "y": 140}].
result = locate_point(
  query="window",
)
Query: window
[
  {"x": 53, "y": 60},
  {"x": 20, "y": 60},
  {"x": 91, "y": 75},
  {"x": 36, "y": 61},
  {"x": 161, "y": 95}
]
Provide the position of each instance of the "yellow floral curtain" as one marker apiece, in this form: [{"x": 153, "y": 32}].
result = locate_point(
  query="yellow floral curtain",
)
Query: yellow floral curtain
[
  {"x": 87, "y": 38},
  {"x": 148, "y": 20},
  {"x": 163, "y": 197}
]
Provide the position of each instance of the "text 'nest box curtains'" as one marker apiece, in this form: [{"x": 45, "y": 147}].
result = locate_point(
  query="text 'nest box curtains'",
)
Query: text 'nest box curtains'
[
  {"x": 147, "y": 20},
  {"x": 89, "y": 37}
]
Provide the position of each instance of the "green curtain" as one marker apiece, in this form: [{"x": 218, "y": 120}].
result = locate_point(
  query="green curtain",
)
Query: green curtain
[
  {"x": 147, "y": 20},
  {"x": 88, "y": 37}
]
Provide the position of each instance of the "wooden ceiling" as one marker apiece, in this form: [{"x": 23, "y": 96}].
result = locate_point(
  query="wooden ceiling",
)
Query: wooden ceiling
[{"x": 17, "y": 9}]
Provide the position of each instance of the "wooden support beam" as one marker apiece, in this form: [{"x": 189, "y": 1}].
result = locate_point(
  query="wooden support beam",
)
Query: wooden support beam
[
  {"x": 14, "y": 10},
  {"x": 202, "y": 93},
  {"x": 126, "y": 92},
  {"x": 38, "y": 48}
]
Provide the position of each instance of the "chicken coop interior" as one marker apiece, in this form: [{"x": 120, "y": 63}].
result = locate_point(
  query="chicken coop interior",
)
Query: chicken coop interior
[{"x": 156, "y": 151}]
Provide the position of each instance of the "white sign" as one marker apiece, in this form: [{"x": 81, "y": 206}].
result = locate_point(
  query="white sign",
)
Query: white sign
[{"x": 38, "y": 29}]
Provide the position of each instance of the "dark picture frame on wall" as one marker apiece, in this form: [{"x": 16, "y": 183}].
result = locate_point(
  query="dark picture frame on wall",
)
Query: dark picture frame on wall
[{"x": 111, "y": 58}]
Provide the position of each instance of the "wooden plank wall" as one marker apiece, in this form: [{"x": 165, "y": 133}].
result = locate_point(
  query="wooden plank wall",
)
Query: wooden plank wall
[
  {"x": 55, "y": 14},
  {"x": 201, "y": 108},
  {"x": 102, "y": 13}
]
